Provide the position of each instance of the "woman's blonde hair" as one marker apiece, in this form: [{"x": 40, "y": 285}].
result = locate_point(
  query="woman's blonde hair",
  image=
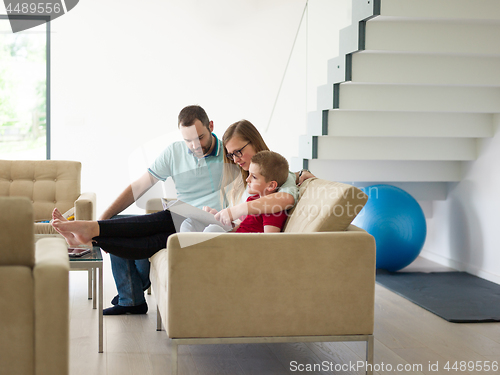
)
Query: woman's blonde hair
[{"x": 234, "y": 183}]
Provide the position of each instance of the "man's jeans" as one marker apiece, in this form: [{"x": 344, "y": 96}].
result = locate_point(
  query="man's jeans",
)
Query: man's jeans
[{"x": 131, "y": 279}]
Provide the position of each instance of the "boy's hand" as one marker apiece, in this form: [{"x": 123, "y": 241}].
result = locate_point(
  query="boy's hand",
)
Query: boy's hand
[
  {"x": 228, "y": 215},
  {"x": 213, "y": 211},
  {"x": 224, "y": 216}
]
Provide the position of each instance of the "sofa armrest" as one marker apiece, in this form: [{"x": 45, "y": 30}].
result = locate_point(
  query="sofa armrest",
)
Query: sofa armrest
[
  {"x": 283, "y": 284},
  {"x": 85, "y": 207},
  {"x": 16, "y": 223},
  {"x": 51, "y": 277}
]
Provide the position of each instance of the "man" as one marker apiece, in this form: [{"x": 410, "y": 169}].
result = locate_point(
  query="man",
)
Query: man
[{"x": 195, "y": 165}]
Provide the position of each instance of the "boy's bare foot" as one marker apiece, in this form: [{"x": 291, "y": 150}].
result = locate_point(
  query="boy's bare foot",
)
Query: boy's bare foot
[{"x": 80, "y": 231}]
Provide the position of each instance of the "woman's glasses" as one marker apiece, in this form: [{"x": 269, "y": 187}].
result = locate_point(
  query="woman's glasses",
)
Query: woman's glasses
[{"x": 236, "y": 153}]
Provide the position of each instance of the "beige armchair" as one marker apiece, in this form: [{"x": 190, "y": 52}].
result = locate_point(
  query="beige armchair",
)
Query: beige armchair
[
  {"x": 34, "y": 312},
  {"x": 48, "y": 184},
  {"x": 313, "y": 283}
]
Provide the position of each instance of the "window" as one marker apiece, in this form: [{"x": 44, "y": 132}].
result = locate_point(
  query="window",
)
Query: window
[{"x": 24, "y": 91}]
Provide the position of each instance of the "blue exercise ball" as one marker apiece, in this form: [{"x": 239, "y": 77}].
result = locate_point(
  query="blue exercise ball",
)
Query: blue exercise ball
[{"x": 397, "y": 222}]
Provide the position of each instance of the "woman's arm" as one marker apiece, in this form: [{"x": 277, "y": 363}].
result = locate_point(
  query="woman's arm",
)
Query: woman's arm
[
  {"x": 269, "y": 204},
  {"x": 303, "y": 175}
]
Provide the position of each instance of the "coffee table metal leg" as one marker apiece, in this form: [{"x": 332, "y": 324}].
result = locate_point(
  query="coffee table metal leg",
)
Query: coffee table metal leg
[
  {"x": 89, "y": 272},
  {"x": 100, "y": 308},
  {"x": 92, "y": 263},
  {"x": 94, "y": 287}
]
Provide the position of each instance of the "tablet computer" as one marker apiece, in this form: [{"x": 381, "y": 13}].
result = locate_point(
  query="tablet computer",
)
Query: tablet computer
[{"x": 76, "y": 252}]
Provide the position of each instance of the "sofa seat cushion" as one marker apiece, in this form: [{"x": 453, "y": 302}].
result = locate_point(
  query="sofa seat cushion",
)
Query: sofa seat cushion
[
  {"x": 44, "y": 228},
  {"x": 325, "y": 206}
]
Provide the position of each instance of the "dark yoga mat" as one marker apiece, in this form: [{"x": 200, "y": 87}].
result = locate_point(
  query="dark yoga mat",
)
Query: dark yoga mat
[{"x": 458, "y": 297}]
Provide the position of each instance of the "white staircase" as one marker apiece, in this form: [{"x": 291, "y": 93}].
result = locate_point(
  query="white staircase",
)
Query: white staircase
[{"x": 416, "y": 84}]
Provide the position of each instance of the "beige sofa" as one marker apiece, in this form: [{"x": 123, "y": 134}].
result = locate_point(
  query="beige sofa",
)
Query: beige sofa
[
  {"x": 314, "y": 282},
  {"x": 48, "y": 184},
  {"x": 34, "y": 308}
]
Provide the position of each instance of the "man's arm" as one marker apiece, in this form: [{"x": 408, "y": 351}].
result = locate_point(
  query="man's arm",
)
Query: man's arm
[
  {"x": 268, "y": 204},
  {"x": 131, "y": 193}
]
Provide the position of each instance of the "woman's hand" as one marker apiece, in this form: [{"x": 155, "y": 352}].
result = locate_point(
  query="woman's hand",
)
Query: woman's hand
[
  {"x": 304, "y": 176},
  {"x": 213, "y": 211}
]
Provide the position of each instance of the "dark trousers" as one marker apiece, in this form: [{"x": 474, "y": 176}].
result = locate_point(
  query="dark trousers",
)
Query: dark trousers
[{"x": 136, "y": 237}]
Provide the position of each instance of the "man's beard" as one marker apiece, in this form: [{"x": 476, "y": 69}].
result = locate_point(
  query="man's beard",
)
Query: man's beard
[{"x": 206, "y": 149}]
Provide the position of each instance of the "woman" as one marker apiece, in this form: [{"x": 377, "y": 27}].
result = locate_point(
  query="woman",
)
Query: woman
[
  {"x": 142, "y": 236},
  {"x": 241, "y": 141}
]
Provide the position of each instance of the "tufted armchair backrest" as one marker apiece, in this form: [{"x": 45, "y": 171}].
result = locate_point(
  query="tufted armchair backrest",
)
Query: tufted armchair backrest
[{"x": 47, "y": 183}]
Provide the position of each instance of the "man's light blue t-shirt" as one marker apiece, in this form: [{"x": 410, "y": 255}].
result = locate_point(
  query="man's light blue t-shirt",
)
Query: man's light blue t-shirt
[{"x": 197, "y": 181}]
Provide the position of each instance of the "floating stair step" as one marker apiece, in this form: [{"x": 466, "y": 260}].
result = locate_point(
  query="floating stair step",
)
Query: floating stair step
[
  {"x": 364, "y": 9},
  {"x": 339, "y": 70},
  {"x": 413, "y": 98},
  {"x": 410, "y": 68},
  {"x": 432, "y": 36},
  {"x": 377, "y": 171},
  {"x": 349, "y": 39},
  {"x": 420, "y": 190},
  {"x": 317, "y": 123},
  {"x": 343, "y": 123},
  {"x": 324, "y": 97},
  {"x": 442, "y": 9},
  {"x": 387, "y": 148}
]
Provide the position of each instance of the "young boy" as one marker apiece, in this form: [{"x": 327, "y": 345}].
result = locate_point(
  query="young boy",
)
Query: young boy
[{"x": 267, "y": 172}]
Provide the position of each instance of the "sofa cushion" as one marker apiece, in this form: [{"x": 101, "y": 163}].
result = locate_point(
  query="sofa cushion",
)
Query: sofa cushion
[
  {"x": 44, "y": 228},
  {"x": 325, "y": 206},
  {"x": 266, "y": 285}
]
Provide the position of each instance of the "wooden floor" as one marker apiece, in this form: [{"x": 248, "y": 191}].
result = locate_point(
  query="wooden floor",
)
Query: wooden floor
[{"x": 405, "y": 335}]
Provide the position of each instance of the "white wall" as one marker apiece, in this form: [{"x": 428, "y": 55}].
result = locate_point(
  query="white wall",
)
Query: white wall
[
  {"x": 122, "y": 70},
  {"x": 463, "y": 232},
  {"x": 317, "y": 42}
]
